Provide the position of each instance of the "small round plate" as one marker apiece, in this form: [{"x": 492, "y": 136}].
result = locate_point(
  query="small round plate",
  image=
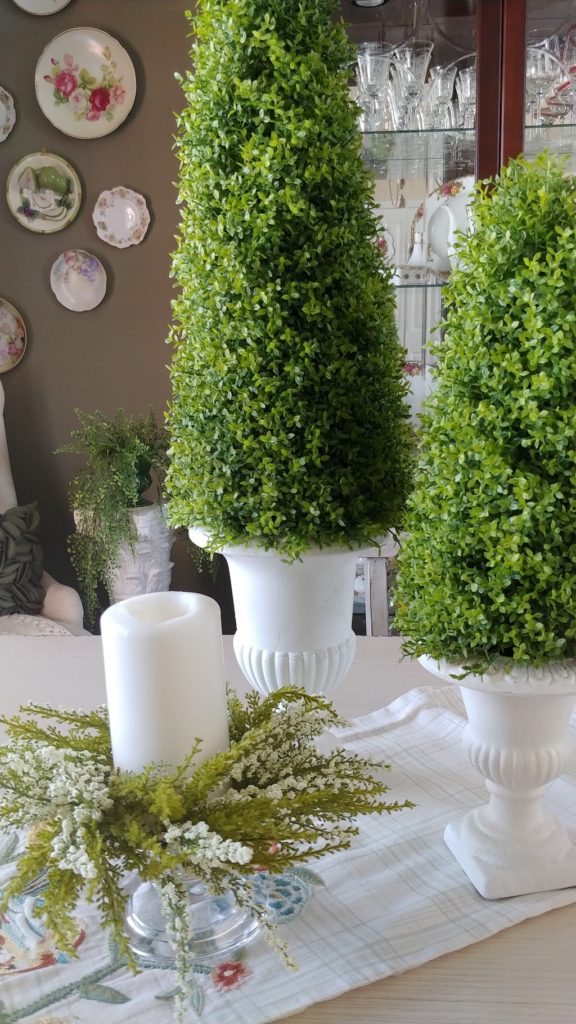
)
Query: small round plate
[
  {"x": 7, "y": 114},
  {"x": 78, "y": 280},
  {"x": 85, "y": 83},
  {"x": 41, "y": 6},
  {"x": 43, "y": 192},
  {"x": 121, "y": 217},
  {"x": 12, "y": 336}
]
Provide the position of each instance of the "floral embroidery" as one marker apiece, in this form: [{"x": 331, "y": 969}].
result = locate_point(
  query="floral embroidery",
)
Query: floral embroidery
[
  {"x": 451, "y": 188},
  {"x": 230, "y": 975},
  {"x": 91, "y": 98},
  {"x": 413, "y": 369}
]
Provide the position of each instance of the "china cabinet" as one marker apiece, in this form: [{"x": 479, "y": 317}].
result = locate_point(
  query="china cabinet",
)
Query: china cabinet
[{"x": 423, "y": 173}]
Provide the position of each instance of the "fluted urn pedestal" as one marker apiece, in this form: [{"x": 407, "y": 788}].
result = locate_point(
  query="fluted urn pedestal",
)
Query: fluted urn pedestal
[
  {"x": 517, "y": 738},
  {"x": 293, "y": 618}
]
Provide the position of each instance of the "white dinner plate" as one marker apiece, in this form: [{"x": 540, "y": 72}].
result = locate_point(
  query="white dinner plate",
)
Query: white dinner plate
[
  {"x": 78, "y": 280},
  {"x": 43, "y": 192},
  {"x": 85, "y": 83},
  {"x": 7, "y": 114},
  {"x": 12, "y": 336},
  {"x": 41, "y": 6},
  {"x": 121, "y": 217}
]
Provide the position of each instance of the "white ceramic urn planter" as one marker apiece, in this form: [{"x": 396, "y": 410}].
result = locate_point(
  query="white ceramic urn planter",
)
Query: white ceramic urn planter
[
  {"x": 517, "y": 737},
  {"x": 293, "y": 618},
  {"x": 145, "y": 566}
]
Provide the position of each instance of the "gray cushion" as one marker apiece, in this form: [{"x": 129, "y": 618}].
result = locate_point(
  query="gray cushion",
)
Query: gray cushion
[{"x": 21, "y": 589}]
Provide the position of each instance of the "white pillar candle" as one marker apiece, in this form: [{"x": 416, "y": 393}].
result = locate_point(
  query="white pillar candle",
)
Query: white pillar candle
[{"x": 165, "y": 684}]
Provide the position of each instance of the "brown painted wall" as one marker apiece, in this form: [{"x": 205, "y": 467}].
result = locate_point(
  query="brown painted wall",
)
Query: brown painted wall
[{"x": 113, "y": 356}]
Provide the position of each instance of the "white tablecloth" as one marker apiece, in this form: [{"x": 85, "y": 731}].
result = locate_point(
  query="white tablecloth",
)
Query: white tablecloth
[{"x": 393, "y": 901}]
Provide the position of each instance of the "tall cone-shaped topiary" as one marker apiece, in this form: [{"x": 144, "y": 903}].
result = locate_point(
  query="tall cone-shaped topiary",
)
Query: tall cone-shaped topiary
[
  {"x": 288, "y": 421},
  {"x": 489, "y": 566}
]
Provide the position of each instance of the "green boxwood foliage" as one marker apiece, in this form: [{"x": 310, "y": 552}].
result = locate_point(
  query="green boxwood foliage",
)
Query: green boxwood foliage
[
  {"x": 489, "y": 566},
  {"x": 288, "y": 422}
]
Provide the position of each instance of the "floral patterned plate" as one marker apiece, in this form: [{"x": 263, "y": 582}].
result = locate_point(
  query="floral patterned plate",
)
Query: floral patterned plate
[
  {"x": 85, "y": 83},
  {"x": 7, "y": 114},
  {"x": 455, "y": 196},
  {"x": 78, "y": 280},
  {"x": 41, "y": 6},
  {"x": 121, "y": 217},
  {"x": 43, "y": 192},
  {"x": 12, "y": 336}
]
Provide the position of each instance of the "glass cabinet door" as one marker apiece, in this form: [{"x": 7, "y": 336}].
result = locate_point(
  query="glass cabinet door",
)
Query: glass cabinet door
[
  {"x": 550, "y": 79},
  {"x": 414, "y": 80}
]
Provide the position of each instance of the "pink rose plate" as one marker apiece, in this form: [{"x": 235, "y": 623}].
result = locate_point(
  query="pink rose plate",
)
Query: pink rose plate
[{"x": 85, "y": 83}]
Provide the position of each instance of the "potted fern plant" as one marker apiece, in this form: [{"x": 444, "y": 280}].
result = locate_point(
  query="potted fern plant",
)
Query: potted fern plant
[
  {"x": 290, "y": 435},
  {"x": 122, "y": 540},
  {"x": 486, "y": 589}
]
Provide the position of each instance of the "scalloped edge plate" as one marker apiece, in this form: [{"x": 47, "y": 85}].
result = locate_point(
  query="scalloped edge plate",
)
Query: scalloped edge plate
[{"x": 121, "y": 217}]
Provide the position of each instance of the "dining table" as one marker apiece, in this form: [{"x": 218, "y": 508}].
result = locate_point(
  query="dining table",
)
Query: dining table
[{"x": 524, "y": 974}]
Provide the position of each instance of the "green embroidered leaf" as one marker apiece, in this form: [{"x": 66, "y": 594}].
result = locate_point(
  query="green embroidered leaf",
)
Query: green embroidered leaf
[
  {"x": 307, "y": 876},
  {"x": 197, "y": 999},
  {"x": 201, "y": 969},
  {"x": 170, "y": 993},
  {"x": 196, "y": 994},
  {"x": 101, "y": 993}
]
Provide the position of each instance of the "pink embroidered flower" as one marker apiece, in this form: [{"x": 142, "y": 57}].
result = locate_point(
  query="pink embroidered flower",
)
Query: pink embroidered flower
[
  {"x": 230, "y": 975},
  {"x": 99, "y": 99},
  {"x": 118, "y": 94},
  {"x": 65, "y": 82}
]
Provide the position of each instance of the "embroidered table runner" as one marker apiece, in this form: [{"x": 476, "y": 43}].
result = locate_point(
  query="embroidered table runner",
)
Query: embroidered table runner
[{"x": 395, "y": 900}]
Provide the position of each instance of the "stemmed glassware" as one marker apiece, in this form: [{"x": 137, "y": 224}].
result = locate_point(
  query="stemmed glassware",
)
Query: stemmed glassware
[
  {"x": 373, "y": 66},
  {"x": 410, "y": 64},
  {"x": 543, "y": 71}
]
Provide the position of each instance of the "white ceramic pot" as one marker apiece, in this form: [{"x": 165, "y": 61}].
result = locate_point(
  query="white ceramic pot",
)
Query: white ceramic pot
[
  {"x": 293, "y": 618},
  {"x": 517, "y": 738},
  {"x": 145, "y": 566}
]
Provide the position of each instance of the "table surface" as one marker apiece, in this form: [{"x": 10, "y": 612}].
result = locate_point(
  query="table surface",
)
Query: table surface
[{"x": 524, "y": 975}]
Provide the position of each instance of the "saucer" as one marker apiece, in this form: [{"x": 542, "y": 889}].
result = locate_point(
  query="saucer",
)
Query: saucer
[
  {"x": 78, "y": 280},
  {"x": 41, "y": 7},
  {"x": 121, "y": 217},
  {"x": 7, "y": 114},
  {"x": 12, "y": 336}
]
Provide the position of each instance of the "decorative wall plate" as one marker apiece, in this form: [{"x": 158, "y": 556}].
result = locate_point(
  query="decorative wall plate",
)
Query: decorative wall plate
[
  {"x": 85, "y": 83},
  {"x": 7, "y": 114},
  {"x": 12, "y": 336},
  {"x": 121, "y": 217},
  {"x": 78, "y": 280},
  {"x": 41, "y": 6},
  {"x": 43, "y": 192}
]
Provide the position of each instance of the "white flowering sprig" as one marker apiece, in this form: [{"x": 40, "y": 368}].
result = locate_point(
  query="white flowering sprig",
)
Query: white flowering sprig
[{"x": 269, "y": 802}]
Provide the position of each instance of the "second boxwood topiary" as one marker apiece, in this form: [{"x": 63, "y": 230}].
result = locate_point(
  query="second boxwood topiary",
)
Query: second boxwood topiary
[{"x": 489, "y": 566}]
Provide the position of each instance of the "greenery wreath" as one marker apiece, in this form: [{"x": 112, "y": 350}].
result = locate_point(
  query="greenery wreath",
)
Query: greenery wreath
[{"x": 270, "y": 802}]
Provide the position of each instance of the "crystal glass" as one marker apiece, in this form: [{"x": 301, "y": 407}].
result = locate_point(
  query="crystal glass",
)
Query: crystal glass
[
  {"x": 373, "y": 73},
  {"x": 410, "y": 63},
  {"x": 439, "y": 105},
  {"x": 466, "y": 92},
  {"x": 544, "y": 72}
]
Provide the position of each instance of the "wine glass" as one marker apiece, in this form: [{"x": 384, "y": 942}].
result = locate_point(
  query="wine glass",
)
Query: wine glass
[
  {"x": 543, "y": 70},
  {"x": 373, "y": 68}
]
